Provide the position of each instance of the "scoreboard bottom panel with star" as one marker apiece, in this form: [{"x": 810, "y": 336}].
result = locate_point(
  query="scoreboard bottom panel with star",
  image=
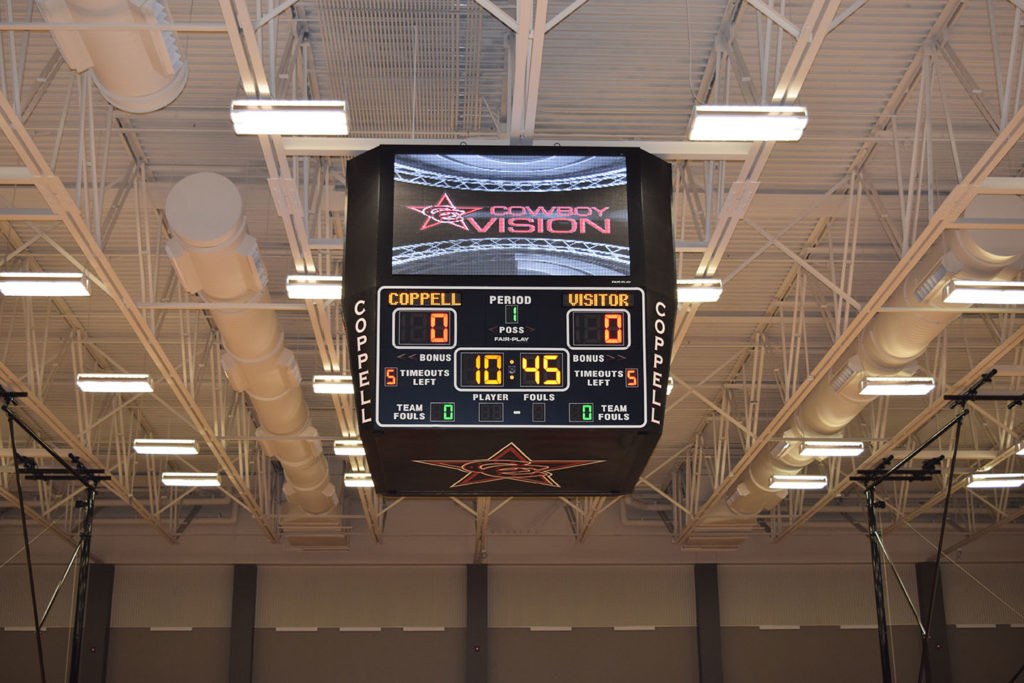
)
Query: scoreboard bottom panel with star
[{"x": 529, "y": 358}]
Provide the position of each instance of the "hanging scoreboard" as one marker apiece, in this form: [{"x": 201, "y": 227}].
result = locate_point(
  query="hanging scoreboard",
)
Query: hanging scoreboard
[{"x": 509, "y": 315}]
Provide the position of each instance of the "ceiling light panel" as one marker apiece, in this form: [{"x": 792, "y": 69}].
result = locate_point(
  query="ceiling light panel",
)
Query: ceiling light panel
[
  {"x": 984, "y": 292},
  {"x": 827, "y": 449},
  {"x": 990, "y": 480},
  {"x": 742, "y": 123},
  {"x": 190, "y": 479},
  {"x": 165, "y": 447},
  {"x": 324, "y": 287},
  {"x": 43, "y": 284},
  {"x": 113, "y": 383},
  {"x": 897, "y": 386},
  {"x": 333, "y": 384},
  {"x": 289, "y": 117},
  {"x": 798, "y": 481},
  {"x": 698, "y": 290}
]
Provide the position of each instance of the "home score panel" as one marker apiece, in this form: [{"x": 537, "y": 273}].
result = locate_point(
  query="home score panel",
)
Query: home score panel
[{"x": 528, "y": 357}]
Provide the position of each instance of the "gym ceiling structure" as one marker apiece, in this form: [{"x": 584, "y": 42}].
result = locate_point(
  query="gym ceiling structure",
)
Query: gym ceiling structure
[{"x": 835, "y": 253}]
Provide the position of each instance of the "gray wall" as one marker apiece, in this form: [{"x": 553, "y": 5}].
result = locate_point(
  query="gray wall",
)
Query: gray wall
[{"x": 600, "y": 623}]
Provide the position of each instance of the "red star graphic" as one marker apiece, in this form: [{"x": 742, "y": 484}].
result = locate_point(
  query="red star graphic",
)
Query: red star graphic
[
  {"x": 444, "y": 212},
  {"x": 509, "y": 463}
]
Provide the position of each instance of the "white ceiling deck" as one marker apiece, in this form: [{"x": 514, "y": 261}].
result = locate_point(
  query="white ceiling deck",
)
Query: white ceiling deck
[{"x": 913, "y": 105}]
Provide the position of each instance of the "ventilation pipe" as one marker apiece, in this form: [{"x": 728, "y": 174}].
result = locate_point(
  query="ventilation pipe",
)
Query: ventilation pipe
[
  {"x": 137, "y": 70},
  {"x": 890, "y": 344},
  {"x": 216, "y": 258}
]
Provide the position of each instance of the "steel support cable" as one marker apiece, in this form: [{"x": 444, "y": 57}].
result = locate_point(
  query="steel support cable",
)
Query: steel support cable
[
  {"x": 964, "y": 570},
  {"x": 903, "y": 587}
]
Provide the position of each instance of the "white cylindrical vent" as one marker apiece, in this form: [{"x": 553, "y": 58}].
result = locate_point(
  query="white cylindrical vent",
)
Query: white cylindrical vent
[
  {"x": 137, "y": 70},
  {"x": 216, "y": 258},
  {"x": 891, "y": 342}
]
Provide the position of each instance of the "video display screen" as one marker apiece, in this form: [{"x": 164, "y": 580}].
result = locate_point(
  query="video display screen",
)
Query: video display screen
[{"x": 504, "y": 214}]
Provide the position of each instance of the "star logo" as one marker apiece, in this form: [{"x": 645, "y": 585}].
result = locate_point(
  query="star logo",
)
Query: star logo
[
  {"x": 508, "y": 464},
  {"x": 444, "y": 212}
]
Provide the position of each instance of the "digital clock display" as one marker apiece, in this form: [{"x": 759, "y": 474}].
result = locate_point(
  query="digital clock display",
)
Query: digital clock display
[{"x": 495, "y": 369}]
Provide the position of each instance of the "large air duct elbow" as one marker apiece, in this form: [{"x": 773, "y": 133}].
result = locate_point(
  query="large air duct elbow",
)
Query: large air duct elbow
[
  {"x": 137, "y": 70},
  {"x": 891, "y": 343},
  {"x": 216, "y": 258}
]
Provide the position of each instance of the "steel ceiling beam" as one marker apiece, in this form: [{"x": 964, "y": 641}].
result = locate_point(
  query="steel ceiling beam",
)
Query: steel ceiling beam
[
  {"x": 62, "y": 203},
  {"x": 670, "y": 150},
  {"x": 34, "y": 405},
  {"x": 741, "y": 192},
  {"x": 908, "y": 430},
  {"x": 945, "y": 216}
]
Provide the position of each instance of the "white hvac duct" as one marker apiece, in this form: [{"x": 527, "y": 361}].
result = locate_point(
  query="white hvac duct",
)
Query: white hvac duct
[
  {"x": 215, "y": 257},
  {"x": 891, "y": 343},
  {"x": 136, "y": 70}
]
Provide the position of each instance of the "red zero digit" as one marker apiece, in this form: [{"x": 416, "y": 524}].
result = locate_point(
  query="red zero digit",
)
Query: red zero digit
[
  {"x": 612, "y": 328},
  {"x": 439, "y": 328}
]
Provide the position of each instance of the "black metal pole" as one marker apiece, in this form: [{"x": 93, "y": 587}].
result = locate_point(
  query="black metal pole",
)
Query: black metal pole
[
  {"x": 28, "y": 551},
  {"x": 878, "y": 569},
  {"x": 83, "y": 583}
]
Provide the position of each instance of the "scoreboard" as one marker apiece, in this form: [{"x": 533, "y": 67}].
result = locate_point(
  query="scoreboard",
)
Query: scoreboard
[
  {"x": 486, "y": 358},
  {"x": 509, "y": 315}
]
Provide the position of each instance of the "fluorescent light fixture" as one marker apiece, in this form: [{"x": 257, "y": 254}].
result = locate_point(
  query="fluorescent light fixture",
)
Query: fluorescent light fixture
[
  {"x": 743, "y": 123},
  {"x": 190, "y": 479},
  {"x": 698, "y": 290},
  {"x": 984, "y": 292},
  {"x": 44, "y": 284},
  {"x": 333, "y": 384},
  {"x": 349, "y": 447},
  {"x": 798, "y": 481},
  {"x": 670, "y": 386},
  {"x": 358, "y": 480},
  {"x": 821, "y": 449},
  {"x": 113, "y": 383},
  {"x": 1020, "y": 448},
  {"x": 289, "y": 117},
  {"x": 990, "y": 480},
  {"x": 165, "y": 447},
  {"x": 313, "y": 286},
  {"x": 897, "y": 386}
]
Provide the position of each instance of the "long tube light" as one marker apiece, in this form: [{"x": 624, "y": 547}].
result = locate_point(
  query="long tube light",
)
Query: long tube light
[
  {"x": 190, "y": 479},
  {"x": 289, "y": 117},
  {"x": 798, "y": 481},
  {"x": 165, "y": 447},
  {"x": 333, "y": 384},
  {"x": 825, "y": 449},
  {"x": 113, "y": 383},
  {"x": 698, "y": 290},
  {"x": 43, "y": 284},
  {"x": 313, "y": 286},
  {"x": 743, "y": 123},
  {"x": 984, "y": 292},
  {"x": 991, "y": 480},
  {"x": 897, "y": 386},
  {"x": 349, "y": 447},
  {"x": 358, "y": 480},
  {"x": 1020, "y": 448}
]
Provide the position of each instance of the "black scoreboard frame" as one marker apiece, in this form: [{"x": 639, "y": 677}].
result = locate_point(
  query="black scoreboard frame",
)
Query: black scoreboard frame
[{"x": 605, "y": 460}]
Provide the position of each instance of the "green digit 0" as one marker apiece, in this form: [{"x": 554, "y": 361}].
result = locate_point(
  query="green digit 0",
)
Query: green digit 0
[
  {"x": 448, "y": 412},
  {"x": 588, "y": 412}
]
